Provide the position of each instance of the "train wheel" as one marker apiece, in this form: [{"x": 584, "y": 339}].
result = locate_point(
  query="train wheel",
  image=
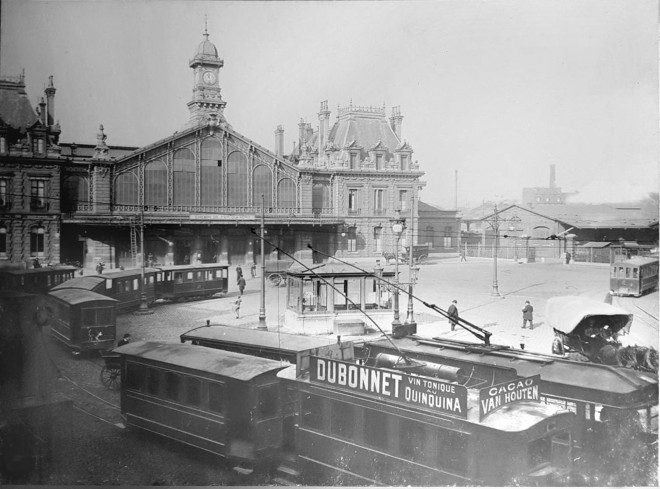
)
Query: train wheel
[
  {"x": 274, "y": 279},
  {"x": 557, "y": 347},
  {"x": 111, "y": 377}
]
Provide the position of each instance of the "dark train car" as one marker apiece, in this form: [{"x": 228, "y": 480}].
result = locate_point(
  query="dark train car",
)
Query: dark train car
[
  {"x": 83, "y": 320},
  {"x": 607, "y": 400},
  {"x": 35, "y": 280},
  {"x": 364, "y": 425},
  {"x": 222, "y": 402},
  {"x": 93, "y": 283},
  {"x": 124, "y": 286},
  {"x": 35, "y": 420},
  {"x": 186, "y": 281},
  {"x": 635, "y": 276},
  {"x": 291, "y": 348}
]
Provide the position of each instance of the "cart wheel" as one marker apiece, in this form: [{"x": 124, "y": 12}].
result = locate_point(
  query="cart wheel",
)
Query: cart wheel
[
  {"x": 557, "y": 347},
  {"x": 111, "y": 377},
  {"x": 274, "y": 279},
  {"x": 421, "y": 259}
]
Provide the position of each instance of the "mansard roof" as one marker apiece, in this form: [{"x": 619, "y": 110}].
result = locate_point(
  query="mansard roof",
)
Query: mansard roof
[
  {"x": 366, "y": 126},
  {"x": 15, "y": 108}
]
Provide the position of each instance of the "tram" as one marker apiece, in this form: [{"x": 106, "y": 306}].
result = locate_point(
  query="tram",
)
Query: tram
[
  {"x": 83, "y": 320},
  {"x": 35, "y": 280},
  {"x": 635, "y": 276},
  {"x": 185, "y": 281},
  {"x": 340, "y": 422}
]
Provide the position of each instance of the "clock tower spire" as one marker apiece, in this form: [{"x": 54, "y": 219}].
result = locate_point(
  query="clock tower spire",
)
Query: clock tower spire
[{"x": 206, "y": 104}]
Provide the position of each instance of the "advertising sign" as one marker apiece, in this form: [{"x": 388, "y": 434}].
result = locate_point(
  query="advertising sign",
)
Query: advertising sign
[
  {"x": 413, "y": 390},
  {"x": 494, "y": 397}
]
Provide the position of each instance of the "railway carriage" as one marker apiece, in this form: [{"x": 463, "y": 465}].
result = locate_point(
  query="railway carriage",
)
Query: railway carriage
[
  {"x": 222, "y": 402},
  {"x": 187, "y": 281},
  {"x": 635, "y": 276},
  {"x": 83, "y": 320},
  {"x": 124, "y": 286},
  {"x": 35, "y": 280}
]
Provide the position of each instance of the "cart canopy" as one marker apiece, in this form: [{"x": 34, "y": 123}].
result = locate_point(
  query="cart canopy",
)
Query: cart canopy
[{"x": 574, "y": 314}]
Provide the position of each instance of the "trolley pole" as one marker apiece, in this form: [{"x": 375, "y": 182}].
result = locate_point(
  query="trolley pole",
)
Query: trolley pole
[
  {"x": 410, "y": 318},
  {"x": 262, "y": 308},
  {"x": 144, "y": 308}
]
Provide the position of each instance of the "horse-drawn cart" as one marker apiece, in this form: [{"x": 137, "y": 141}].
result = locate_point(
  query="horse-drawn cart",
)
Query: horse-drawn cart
[{"x": 111, "y": 371}]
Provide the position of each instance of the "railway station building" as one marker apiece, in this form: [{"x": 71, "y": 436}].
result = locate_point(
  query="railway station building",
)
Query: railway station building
[{"x": 202, "y": 192}]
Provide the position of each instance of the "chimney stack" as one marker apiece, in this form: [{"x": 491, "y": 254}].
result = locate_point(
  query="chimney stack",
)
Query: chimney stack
[
  {"x": 324, "y": 124},
  {"x": 396, "y": 121},
  {"x": 552, "y": 176},
  {"x": 50, "y": 102},
  {"x": 42, "y": 111},
  {"x": 279, "y": 141},
  {"x": 302, "y": 133}
]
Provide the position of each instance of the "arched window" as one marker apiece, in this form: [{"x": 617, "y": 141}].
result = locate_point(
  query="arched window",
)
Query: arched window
[
  {"x": 430, "y": 235},
  {"x": 126, "y": 189},
  {"x": 286, "y": 194},
  {"x": 237, "y": 179},
  {"x": 155, "y": 183},
  {"x": 320, "y": 197},
  {"x": 37, "y": 240},
  {"x": 183, "y": 173},
  {"x": 262, "y": 183},
  {"x": 211, "y": 183},
  {"x": 75, "y": 190}
]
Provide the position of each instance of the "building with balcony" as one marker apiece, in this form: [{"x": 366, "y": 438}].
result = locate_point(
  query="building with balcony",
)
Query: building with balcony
[{"x": 202, "y": 192}]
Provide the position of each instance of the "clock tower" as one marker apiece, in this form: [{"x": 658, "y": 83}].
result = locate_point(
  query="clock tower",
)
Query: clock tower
[{"x": 206, "y": 104}]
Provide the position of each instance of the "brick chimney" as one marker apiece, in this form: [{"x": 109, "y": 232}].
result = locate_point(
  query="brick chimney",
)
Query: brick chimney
[
  {"x": 324, "y": 126},
  {"x": 396, "y": 121},
  {"x": 50, "y": 102},
  {"x": 279, "y": 141}
]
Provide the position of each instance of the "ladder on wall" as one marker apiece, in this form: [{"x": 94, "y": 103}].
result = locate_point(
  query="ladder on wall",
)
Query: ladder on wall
[{"x": 134, "y": 249}]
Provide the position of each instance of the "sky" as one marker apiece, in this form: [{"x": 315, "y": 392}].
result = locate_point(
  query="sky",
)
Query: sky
[{"x": 492, "y": 92}]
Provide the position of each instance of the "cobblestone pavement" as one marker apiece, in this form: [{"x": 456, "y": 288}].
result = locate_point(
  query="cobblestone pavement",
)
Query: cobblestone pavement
[{"x": 441, "y": 280}]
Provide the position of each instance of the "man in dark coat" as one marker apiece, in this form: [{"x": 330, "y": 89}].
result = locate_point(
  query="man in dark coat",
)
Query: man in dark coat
[
  {"x": 528, "y": 315},
  {"x": 125, "y": 340},
  {"x": 452, "y": 312}
]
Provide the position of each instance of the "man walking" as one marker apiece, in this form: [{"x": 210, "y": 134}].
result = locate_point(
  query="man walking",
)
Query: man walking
[
  {"x": 452, "y": 312},
  {"x": 241, "y": 285},
  {"x": 237, "y": 307},
  {"x": 528, "y": 315}
]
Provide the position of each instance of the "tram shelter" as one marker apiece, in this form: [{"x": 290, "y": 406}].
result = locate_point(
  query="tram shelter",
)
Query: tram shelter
[{"x": 330, "y": 298}]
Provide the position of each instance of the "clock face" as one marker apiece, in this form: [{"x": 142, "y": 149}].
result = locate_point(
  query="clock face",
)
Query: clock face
[{"x": 208, "y": 77}]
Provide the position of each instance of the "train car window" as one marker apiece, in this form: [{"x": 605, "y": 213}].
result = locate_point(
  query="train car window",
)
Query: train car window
[
  {"x": 375, "y": 428},
  {"x": 268, "y": 400},
  {"x": 621, "y": 272},
  {"x": 136, "y": 284},
  {"x": 216, "y": 397},
  {"x": 452, "y": 450},
  {"x": 613, "y": 272},
  {"x": 48, "y": 280},
  {"x": 193, "y": 391},
  {"x": 188, "y": 277},
  {"x": 312, "y": 409},
  {"x": 108, "y": 284},
  {"x": 88, "y": 317},
  {"x": 412, "y": 437},
  {"x": 635, "y": 273},
  {"x": 104, "y": 315},
  {"x": 342, "y": 418},
  {"x": 178, "y": 277},
  {"x": 153, "y": 380},
  {"x": 539, "y": 451},
  {"x": 199, "y": 277},
  {"x": 172, "y": 385},
  {"x": 134, "y": 376}
]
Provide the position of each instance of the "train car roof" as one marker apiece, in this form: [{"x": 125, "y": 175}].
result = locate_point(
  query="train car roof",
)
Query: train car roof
[
  {"x": 86, "y": 283},
  {"x": 259, "y": 338},
  {"x": 79, "y": 296},
  {"x": 36, "y": 271},
  {"x": 228, "y": 364},
  {"x": 125, "y": 273},
  {"x": 585, "y": 381},
  {"x": 636, "y": 261},
  {"x": 201, "y": 266},
  {"x": 566, "y": 313}
]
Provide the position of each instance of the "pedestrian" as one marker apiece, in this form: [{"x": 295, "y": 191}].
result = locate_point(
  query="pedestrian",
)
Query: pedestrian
[
  {"x": 125, "y": 340},
  {"x": 241, "y": 285},
  {"x": 568, "y": 258},
  {"x": 253, "y": 270},
  {"x": 237, "y": 306},
  {"x": 452, "y": 312},
  {"x": 528, "y": 315},
  {"x": 608, "y": 297},
  {"x": 36, "y": 263},
  {"x": 99, "y": 267},
  {"x": 239, "y": 273},
  {"x": 462, "y": 252}
]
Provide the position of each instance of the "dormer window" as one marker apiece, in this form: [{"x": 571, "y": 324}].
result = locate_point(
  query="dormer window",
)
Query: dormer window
[
  {"x": 405, "y": 164},
  {"x": 38, "y": 146},
  {"x": 379, "y": 161},
  {"x": 353, "y": 162}
]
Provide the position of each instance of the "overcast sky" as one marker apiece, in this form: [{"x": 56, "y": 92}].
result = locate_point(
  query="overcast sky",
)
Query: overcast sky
[{"x": 496, "y": 90}]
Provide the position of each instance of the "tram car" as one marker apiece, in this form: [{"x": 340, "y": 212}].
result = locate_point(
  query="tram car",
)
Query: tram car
[
  {"x": 82, "y": 320},
  {"x": 124, "y": 286},
  {"x": 187, "y": 281},
  {"x": 223, "y": 402},
  {"x": 616, "y": 408},
  {"x": 35, "y": 280},
  {"x": 635, "y": 276},
  {"x": 339, "y": 422}
]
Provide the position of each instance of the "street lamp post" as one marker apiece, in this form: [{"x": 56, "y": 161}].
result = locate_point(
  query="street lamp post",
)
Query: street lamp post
[
  {"x": 378, "y": 271},
  {"x": 262, "y": 307},
  {"x": 412, "y": 275},
  {"x": 397, "y": 229},
  {"x": 496, "y": 227}
]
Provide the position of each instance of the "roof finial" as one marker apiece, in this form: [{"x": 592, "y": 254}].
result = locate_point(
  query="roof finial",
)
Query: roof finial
[{"x": 206, "y": 26}]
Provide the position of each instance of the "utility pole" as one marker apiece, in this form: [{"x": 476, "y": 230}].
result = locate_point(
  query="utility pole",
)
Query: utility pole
[
  {"x": 496, "y": 227},
  {"x": 262, "y": 307},
  {"x": 410, "y": 318},
  {"x": 144, "y": 308}
]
